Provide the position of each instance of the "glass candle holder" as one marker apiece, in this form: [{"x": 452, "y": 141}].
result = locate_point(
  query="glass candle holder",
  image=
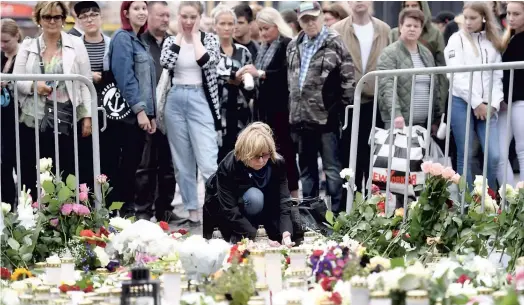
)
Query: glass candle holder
[
  {"x": 417, "y": 297},
  {"x": 309, "y": 237},
  {"x": 263, "y": 291},
  {"x": 76, "y": 297},
  {"x": 68, "y": 269},
  {"x": 298, "y": 284},
  {"x": 274, "y": 270},
  {"x": 259, "y": 264},
  {"x": 172, "y": 285},
  {"x": 115, "y": 295},
  {"x": 104, "y": 293},
  {"x": 380, "y": 298},
  {"x": 42, "y": 292},
  {"x": 298, "y": 258},
  {"x": 53, "y": 272},
  {"x": 486, "y": 294},
  {"x": 293, "y": 302},
  {"x": 359, "y": 292},
  {"x": 26, "y": 299}
]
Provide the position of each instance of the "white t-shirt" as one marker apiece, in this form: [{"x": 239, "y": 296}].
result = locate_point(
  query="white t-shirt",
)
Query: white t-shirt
[
  {"x": 187, "y": 71},
  {"x": 365, "y": 38}
]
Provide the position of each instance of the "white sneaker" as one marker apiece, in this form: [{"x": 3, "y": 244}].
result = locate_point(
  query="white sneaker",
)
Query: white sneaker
[{"x": 180, "y": 211}]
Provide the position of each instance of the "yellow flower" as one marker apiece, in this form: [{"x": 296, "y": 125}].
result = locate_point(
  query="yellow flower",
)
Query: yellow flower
[
  {"x": 399, "y": 212},
  {"x": 244, "y": 261},
  {"x": 20, "y": 273}
]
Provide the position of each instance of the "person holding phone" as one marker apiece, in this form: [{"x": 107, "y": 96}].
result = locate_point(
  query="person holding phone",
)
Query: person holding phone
[{"x": 192, "y": 109}]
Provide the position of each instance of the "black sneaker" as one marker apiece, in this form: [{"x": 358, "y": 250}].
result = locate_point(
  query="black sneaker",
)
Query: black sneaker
[
  {"x": 171, "y": 217},
  {"x": 193, "y": 224}
]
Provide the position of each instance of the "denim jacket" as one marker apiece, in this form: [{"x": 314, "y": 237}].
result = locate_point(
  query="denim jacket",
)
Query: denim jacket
[{"x": 134, "y": 71}]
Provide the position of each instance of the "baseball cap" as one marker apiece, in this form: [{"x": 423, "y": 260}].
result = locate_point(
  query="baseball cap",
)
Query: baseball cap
[
  {"x": 309, "y": 8},
  {"x": 79, "y": 6},
  {"x": 444, "y": 17}
]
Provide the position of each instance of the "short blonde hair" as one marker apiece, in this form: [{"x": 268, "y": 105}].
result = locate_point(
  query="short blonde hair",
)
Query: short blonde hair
[
  {"x": 44, "y": 7},
  {"x": 254, "y": 140}
]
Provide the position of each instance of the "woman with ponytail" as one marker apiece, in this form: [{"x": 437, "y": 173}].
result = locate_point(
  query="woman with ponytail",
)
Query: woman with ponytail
[
  {"x": 513, "y": 42},
  {"x": 477, "y": 43}
]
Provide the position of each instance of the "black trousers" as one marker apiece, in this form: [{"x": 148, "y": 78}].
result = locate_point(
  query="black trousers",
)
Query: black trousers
[
  {"x": 29, "y": 164},
  {"x": 121, "y": 147},
  {"x": 8, "y": 154},
  {"x": 155, "y": 178}
]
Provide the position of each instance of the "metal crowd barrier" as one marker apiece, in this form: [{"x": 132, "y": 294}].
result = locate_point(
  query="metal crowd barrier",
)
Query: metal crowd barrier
[
  {"x": 56, "y": 161},
  {"x": 426, "y": 71}
]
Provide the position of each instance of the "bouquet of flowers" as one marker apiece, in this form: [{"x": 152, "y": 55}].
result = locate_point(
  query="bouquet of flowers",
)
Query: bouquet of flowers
[
  {"x": 200, "y": 257},
  {"x": 330, "y": 261}
]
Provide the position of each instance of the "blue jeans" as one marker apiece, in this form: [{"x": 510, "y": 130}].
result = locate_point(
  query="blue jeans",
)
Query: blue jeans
[
  {"x": 310, "y": 143},
  {"x": 253, "y": 203},
  {"x": 192, "y": 139},
  {"x": 458, "y": 126}
]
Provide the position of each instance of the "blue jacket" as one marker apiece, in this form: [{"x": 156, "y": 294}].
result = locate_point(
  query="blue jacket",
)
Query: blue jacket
[{"x": 134, "y": 71}]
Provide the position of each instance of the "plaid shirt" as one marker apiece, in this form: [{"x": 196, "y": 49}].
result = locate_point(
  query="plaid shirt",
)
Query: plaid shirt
[{"x": 308, "y": 48}]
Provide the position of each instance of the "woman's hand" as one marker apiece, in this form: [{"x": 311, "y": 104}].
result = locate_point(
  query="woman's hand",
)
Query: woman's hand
[
  {"x": 97, "y": 77},
  {"x": 274, "y": 244},
  {"x": 42, "y": 88},
  {"x": 286, "y": 239},
  {"x": 143, "y": 121},
  {"x": 195, "y": 32},
  {"x": 87, "y": 128},
  {"x": 399, "y": 122},
  {"x": 250, "y": 69},
  {"x": 481, "y": 112},
  {"x": 153, "y": 127},
  {"x": 239, "y": 77}
]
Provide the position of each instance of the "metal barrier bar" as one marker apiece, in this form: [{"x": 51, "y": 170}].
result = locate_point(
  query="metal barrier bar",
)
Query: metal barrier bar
[
  {"x": 448, "y": 126},
  {"x": 37, "y": 143},
  {"x": 55, "y": 123},
  {"x": 424, "y": 71},
  {"x": 372, "y": 137},
  {"x": 391, "y": 129},
  {"x": 508, "y": 138},
  {"x": 430, "y": 111},
  {"x": 94, "y": 118},
  {"x": 75, "y": 150},
  {"x": 486, "y": 142},
  {"x": 410, "y": 137},
  {"x": 466, "y": 144}
]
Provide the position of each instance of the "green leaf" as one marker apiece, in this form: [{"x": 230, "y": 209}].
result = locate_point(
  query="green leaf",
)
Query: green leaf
[
  {"x": 368, "y": 213},
  {"x": 458, "y": 221},
  {"x": 71, "y": 182},
  {"x": 329, "y": 216},
  {"x": 49, "y": 187},
  {"x": 337, "y": 226},
  {"x": 409, "y": 282},
  {"x": 397, "y": 262},
  {"x": 13, "y": 244},
  {"x": 389, "y": 234},
  {"x": 54, "y": 206},
  {"x": 118, "y": 205},
  {"x": 27, "y": 257},
  {"x": 27, "y": 240},
  {"x": 64, "y": 194}
]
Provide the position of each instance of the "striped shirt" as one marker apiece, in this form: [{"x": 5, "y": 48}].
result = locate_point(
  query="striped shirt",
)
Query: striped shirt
[
  {"x": 96, "y": 53},
  {"x": 421, "y": 94}
]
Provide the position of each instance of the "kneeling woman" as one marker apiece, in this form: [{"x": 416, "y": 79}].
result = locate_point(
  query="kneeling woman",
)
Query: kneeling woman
[{"x": 250, "y": 189}]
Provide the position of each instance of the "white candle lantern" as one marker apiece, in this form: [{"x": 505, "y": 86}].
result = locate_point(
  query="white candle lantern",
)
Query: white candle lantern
[
  {"x": 418, "y": 297},
  {"x": 380, "y": 298},
  {"x": 68, "y": 269},
  {"x": 172, "y": 286},
  {"x": 309, "y": 237},
  {"x": 263, "y": 291},
  {"x": 298, "y": 258},
  {"x": 259, "y": 264},
  {"x": 274, "y": 270},
  {"x": 359, "y": 291},
  {"x": 297, "y": 284},
  {"x": 53, "y": 273}
]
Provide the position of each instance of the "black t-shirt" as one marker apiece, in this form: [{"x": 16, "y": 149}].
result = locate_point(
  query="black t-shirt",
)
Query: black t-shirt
[{"x": 252, "y": 46}]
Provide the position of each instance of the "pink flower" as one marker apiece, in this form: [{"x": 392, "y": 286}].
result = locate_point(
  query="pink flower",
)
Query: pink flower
[
  {"x": 101, "y": 179},
  {"x": 83, "y": 196},
  {"x": 448, "y": 173},
  {"x": 456, "y": 178},
  {"x": 66, "y": 209},
  {"x": 436, "y": 169},
  {"x": 84, "y": 188},
  {"x": 375, "y": 189},
  {"x": 82, "y": 210},
  {"x": 54, "y": 222},
  {"x": 520, "y": 185},
  {"x": 35, "y": 205},
  {"x": 426, "y": 167}
]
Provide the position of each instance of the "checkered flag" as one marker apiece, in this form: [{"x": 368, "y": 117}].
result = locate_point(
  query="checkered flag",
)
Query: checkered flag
[{"x": 400, "y": 159}]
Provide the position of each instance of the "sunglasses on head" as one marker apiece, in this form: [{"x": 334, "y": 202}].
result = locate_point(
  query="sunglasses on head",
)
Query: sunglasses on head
[{"x": 56, "y": 18}]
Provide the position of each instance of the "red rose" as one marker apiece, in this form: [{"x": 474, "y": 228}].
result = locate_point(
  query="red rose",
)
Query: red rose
[
  {"x": 88, "y": 234},
  {"x": 4, "y": 273},
  {"x": 182, "y": 231},
  {"x": 499, "y": 211},
  {"x": 336, "y": 298},
  {"x": 492, "y": 194},
  {"x": 164, "y": 225},
  {"x": 103, "y": 231},
  {"x": 395, "y": 233},
  {"x": 462, "y": 279},
  {"x": 89, "y": 289},
  {"x": 63, "y": 288},
  {"x": 318, "y": 253},
  {"x": 449, "y": 203},
  {"x": 381, "y": 206},
  {"x": 407, "y": 236},
  {"x": 325, "y": 283}
]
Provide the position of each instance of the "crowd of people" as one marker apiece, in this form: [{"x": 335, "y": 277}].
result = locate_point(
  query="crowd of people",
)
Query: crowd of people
[{"x": 185, "y": 103}]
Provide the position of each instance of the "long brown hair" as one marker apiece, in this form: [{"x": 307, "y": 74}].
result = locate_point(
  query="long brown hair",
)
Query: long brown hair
[
  {"x": 491, "y": 25},
  {"x": 10, "y": 27},
  {"x": 509, "y": 31}
]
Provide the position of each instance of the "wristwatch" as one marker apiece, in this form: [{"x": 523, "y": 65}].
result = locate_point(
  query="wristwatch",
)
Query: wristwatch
[{"x": 261, "y": 74}]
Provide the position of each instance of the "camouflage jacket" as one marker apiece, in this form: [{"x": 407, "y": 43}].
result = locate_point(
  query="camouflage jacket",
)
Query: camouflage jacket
[{"x": 329, "y": 85}]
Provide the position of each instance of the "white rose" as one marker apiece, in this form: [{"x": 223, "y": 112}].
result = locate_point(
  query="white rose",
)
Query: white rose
[
  {"x": 9, "y": 297},
  {"x": 120, "y": 223},
  {"x": 510, "y": 192},
  {"x": 6, "y": 208},
  {"x": 45, "y": 176},
  {"x": 347, "y": 173},
  {"x": 102, "y": 256},
  {"x": 46, "y": 164}
]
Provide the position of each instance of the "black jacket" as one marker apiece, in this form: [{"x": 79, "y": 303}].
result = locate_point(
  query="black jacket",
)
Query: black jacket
[
  {"x": 273, "y": 92},
  {"x": 514, "y": 52},
  {"x": 223, "y": 206}
]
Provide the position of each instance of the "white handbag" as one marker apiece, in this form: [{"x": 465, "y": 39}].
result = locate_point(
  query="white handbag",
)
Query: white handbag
[{"x": 162, "y": 89}]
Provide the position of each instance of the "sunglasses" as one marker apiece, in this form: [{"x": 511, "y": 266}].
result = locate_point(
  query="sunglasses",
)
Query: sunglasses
[
  {"x": 264, "y": 157},
  {"x": 56, "y": 18}
]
